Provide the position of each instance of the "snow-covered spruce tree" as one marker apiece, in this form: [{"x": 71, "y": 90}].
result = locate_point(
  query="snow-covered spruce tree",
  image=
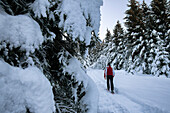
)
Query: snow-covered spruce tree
[
  {"x": 151, "y": 40},
  {"x": 133, "y": 17},
  {"x": 146, "y": 38},
  {"x": 159, "y": 13},
  {"x": 65, "y": 39},
  {"x": 140, "y": 53},
  {"x": 106, "y": 54},
  {"x": 140, "y": 41},
  {"x": 95, "y": 48},
  {"x": 108, "y": 48},
  {"x": 108, "y": 37},
  {"x": 167, "y": 35},
  {"x": 167, "y": 39},
  {"x": 97, "y": 54},
  {"x": 100, "y": 63},
  {"x": 119, "y": 42},
  {"x": 107, "y": 43},
  {"x": 113, "y": 50}
]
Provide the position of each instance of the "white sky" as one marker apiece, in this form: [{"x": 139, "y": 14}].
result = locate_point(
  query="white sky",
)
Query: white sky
[{"x": 111, "y": 11}]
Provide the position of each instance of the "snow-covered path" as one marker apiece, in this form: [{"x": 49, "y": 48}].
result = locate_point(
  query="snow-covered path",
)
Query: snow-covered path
[{"x": 135, "y": 94}]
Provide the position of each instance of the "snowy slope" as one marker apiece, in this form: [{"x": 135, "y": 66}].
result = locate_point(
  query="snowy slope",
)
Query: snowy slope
[{"x": 135, "y": 93}]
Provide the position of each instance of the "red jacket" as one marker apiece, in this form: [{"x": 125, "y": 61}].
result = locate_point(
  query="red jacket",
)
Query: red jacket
[{"x": 108, "y": 71}]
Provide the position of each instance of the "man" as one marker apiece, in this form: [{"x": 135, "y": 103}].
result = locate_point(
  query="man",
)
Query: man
[{"x": 109, "y": 74}]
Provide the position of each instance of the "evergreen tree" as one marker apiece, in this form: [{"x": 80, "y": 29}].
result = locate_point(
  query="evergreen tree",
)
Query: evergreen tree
[
  {"x": 167, "y": 35},
  {"x": 150, "y": 39},
  {"x": 118, "y": 34},
  {"x": 94, "y": 49},
  {"x": 141, "y": 51},
  {"x": 145, "y": 37},
  {"x": 119, "y": 42},
  {"x": 108, "y": 37},
  {"x": 104, "y": 50},
  {"x": 159, "y": 13},
  {"x": 133, "y": 22}
]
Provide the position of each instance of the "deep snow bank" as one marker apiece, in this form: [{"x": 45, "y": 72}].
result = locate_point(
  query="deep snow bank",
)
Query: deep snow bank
[
  {"x": 22, "y": 89},
  {"x": 91, "y": 97}
]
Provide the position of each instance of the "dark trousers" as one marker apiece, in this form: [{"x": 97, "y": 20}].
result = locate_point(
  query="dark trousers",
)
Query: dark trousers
[{"x": 110, "y": 79}]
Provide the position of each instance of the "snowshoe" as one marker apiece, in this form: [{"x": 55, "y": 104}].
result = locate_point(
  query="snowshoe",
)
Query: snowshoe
[{"x": 112, "y": 92}]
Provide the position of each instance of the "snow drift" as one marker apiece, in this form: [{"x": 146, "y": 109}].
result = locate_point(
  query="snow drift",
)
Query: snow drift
[
  {"x": 22, "y": 89},
  {"x": 91, "y": 97}
]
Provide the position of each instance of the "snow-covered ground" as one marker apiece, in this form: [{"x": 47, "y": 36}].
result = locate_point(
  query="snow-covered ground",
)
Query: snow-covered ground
[{"x": 134, "y": 93}]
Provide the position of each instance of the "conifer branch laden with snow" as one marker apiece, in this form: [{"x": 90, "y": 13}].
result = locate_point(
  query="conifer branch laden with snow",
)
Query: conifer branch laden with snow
[{"x": 33, "y": 37}]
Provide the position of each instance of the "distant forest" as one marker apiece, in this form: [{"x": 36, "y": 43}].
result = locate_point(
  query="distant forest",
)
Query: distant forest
[{"x": 145, "y": 44}]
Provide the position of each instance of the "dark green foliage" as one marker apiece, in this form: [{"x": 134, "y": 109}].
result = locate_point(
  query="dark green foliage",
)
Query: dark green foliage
[
  {"x": 133, "y": 25},
  {"x": 63, "y": 84},
  {"x": 16, "y": 7},
  {"x": 160, "y": 17},
  {"x": 13, "y": 56},
  {"x": 95, "y": 49},
  {"x": 108, "y": 37},
  {"x": 119, "y": 43},
  {"x": 118, "y": 34}
]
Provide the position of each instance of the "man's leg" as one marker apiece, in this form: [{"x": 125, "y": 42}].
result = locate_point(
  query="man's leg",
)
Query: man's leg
[
  {"x": 112, "y": 86},
  {"x": 108, "y": 83}
]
